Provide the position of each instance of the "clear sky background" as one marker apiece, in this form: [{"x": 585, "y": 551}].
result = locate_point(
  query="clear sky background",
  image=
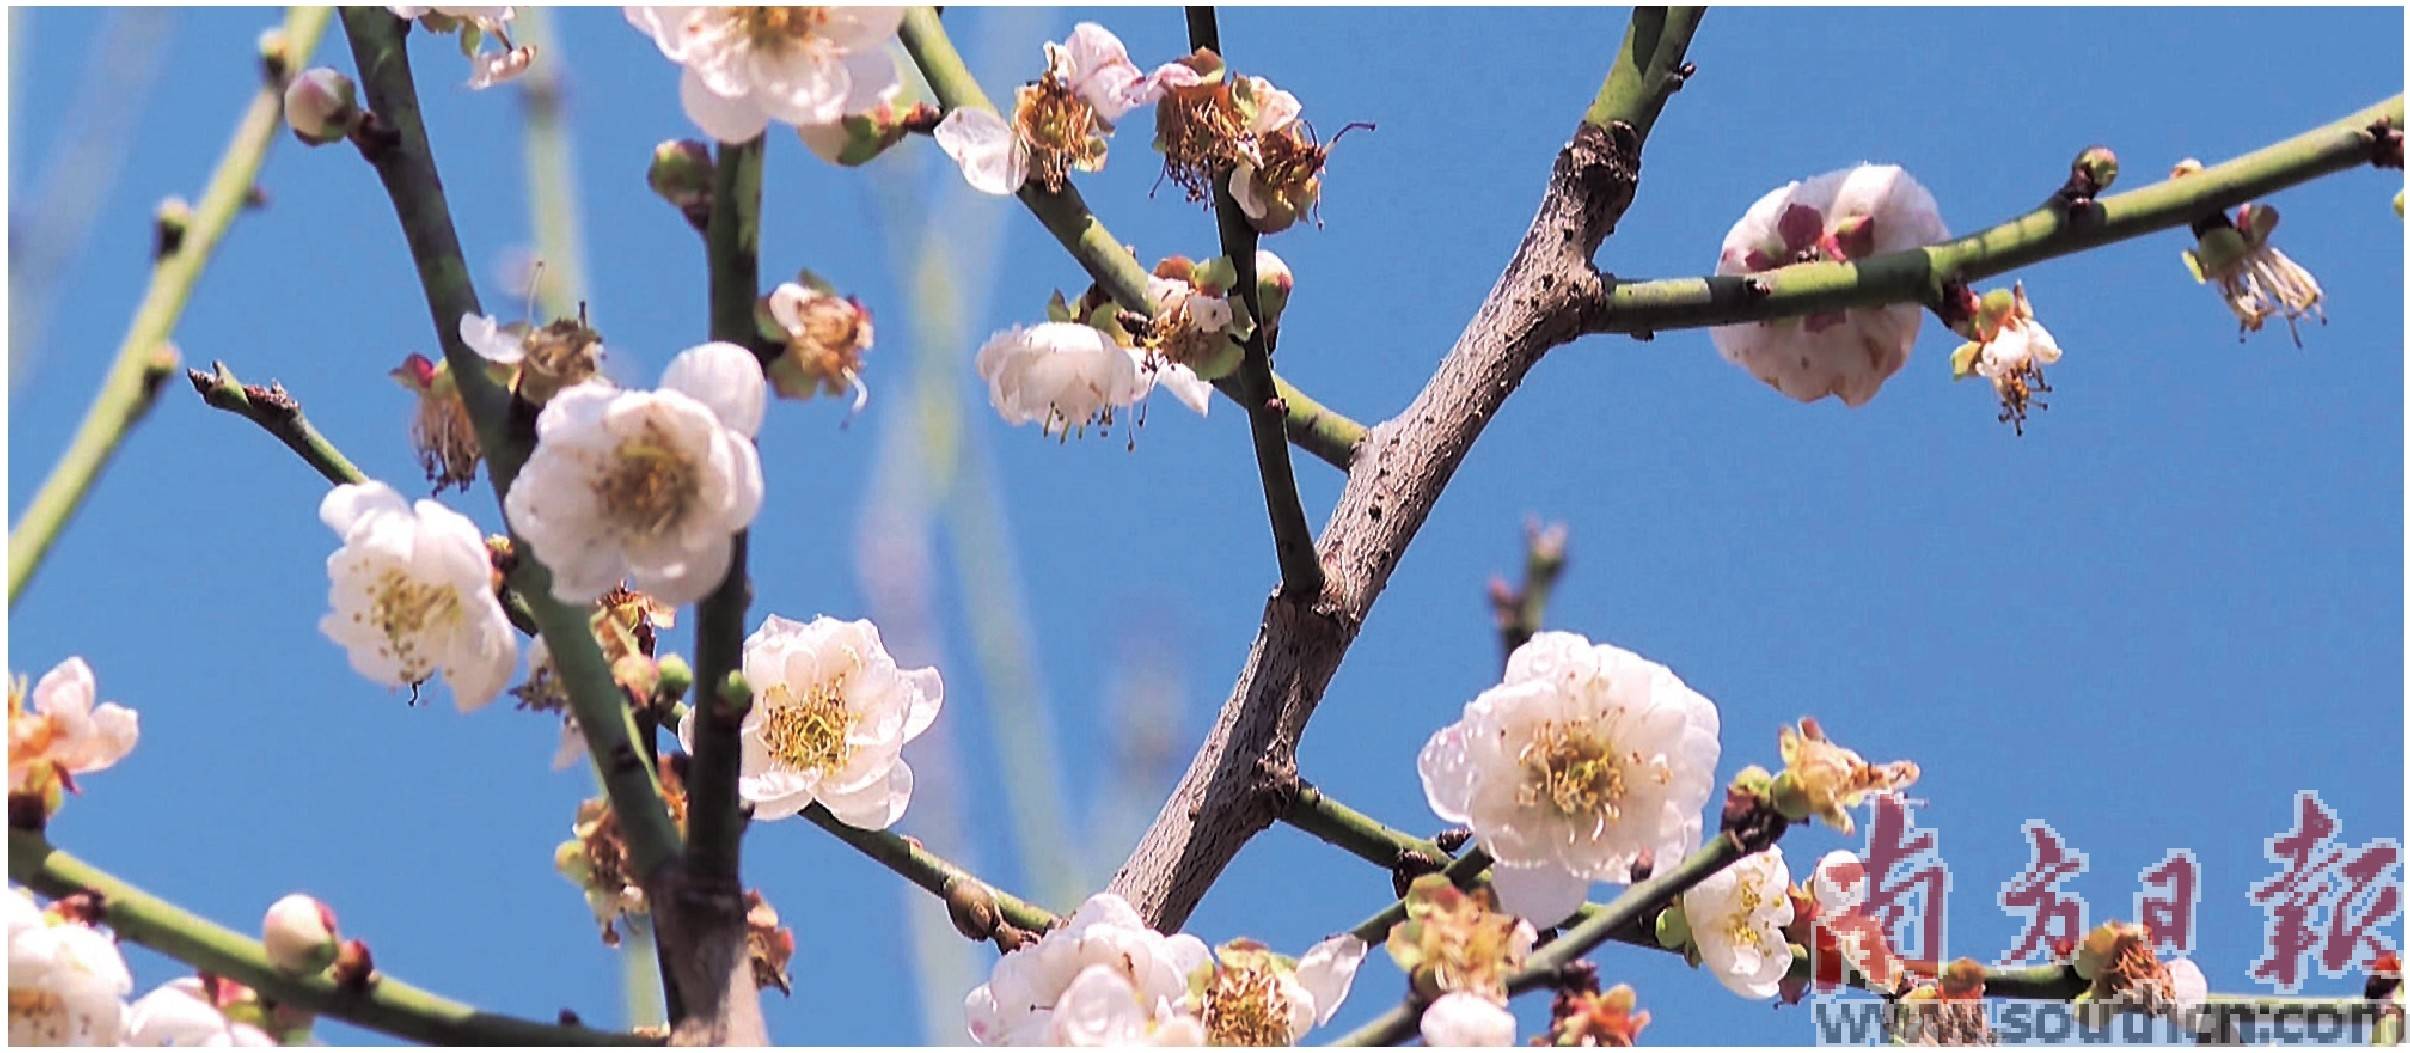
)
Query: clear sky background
[{"x": 2172, "y": 604}]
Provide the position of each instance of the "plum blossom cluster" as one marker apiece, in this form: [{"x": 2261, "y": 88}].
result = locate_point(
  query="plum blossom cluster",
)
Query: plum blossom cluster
[
  {"x": 830, "y": 716},
  {"x": 743, "y": 67},
  {"x": 67, "y": 984},
  {"x": 473, "y": 25},
  {"x": 1585, "y": 760},
  {"x": 59, "y": 731},
  {"x": 1104, "y": 979},
  {"x": 1838, "y": 216},
  {"x": 1091, "y": 360},
  {"x": 1457, "y": 950},
  {"x": 1059, "y": 122}
]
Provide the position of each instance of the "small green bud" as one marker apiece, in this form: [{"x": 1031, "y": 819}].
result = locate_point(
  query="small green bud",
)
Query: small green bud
[
  {"x": 274, "y": 63},
  {"x": 2096, "y": 167},
  {"x": 169, "y": 222},
  {"x": 1789, "y": 799},
  {"x": 682, "y": 173},
  {"x": 736, "y": 696},
  {"x": 1673, "y": 927},
  {"x": 675, "y": 678}
]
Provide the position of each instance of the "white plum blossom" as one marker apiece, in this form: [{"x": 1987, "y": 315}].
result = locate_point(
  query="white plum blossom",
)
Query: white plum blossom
[
  {"x": 67, "y": 984},
  {"x": 1060, "y": 375},
  {"x": 1581, "y": 761},
  {"x": 649, "y": 485},
  {"x": 64, "y": 734},
  {"x": 181, "y": 1013},
  {"x": 1060, "y": 122},
  {"x": 830, "y": 716},
  {"x": 1102, "y": 978},
  {"x": 1464, "y": 1019},
  {"x": 1838, "y": 216},
  {"x": 2187, "y": 987},
  {"x": 1252, "y": 997},
  {"x": 411, "y": 594},
  {"x": 747, "y": 66},
  {"x": 1736, "y": 918}
]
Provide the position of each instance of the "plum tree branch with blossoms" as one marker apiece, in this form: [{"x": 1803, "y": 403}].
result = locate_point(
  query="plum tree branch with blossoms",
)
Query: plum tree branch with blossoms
[
  {"x": 1313, "y": 427},
  {"x": 387, "y": 1005},
  {"x": 1586, "y": 762},
  {"x": 1923, "y": 275}
]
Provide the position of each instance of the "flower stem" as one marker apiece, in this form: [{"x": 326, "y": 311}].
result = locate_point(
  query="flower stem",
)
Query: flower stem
[
  {"x": 387, "y": 1005},
  {"x": 145, "y": 359},
  {"x": 277, "y": 414},
  {"x": 1315, "y": 428},
  {"x": 1251, "y": 386},
  {"x": 928, "y": 870},
  {"x": 716, "y": 818},
  {"x": 1919, "y": 275}
]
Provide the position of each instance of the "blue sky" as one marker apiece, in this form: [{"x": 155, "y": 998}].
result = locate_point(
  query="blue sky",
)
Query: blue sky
[{"x": 2172, "y": 604}]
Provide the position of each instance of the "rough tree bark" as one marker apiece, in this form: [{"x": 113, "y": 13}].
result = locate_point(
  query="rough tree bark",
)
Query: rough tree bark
[{"x": 1541, "y": 301}]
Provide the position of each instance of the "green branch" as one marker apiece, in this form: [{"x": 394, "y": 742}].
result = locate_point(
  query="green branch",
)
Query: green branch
[
  {"x": 277, "y": 414},
  {"x": 926, "y": 869},
  {"x": 387, "y": 1005},
  {"x": 1651, "y": 68},
  {"x": 145, "y": 359},
  {"x": 1356, "y": 833},
  {"x": 1292, "y": 536},
  {"x": 395, "y": 143},
  {"x": 1920, "y": 275},
  {"x": 715, "y": 817},
  {"x": 1315, "y": 428}
]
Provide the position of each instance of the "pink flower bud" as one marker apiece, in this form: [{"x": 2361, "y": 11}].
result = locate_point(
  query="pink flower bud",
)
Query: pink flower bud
[
  {"x": 300, "y": 934},
  {"x": 321, "y": 106}
]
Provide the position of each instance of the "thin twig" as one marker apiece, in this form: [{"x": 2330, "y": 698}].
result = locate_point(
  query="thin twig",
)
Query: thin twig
[
  {"x": 933, "y": 873},
  {"x": 387, "y": 1005},
  {"x": 1292, "y": 537},
  {"x": 277, "y": 414},
  {"x": 145, "y": 359},
  {"x": 1520, "y": 608}
]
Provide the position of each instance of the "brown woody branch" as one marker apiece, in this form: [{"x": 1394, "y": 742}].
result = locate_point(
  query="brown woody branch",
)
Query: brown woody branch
[{"x": 1231, "y": 788}]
